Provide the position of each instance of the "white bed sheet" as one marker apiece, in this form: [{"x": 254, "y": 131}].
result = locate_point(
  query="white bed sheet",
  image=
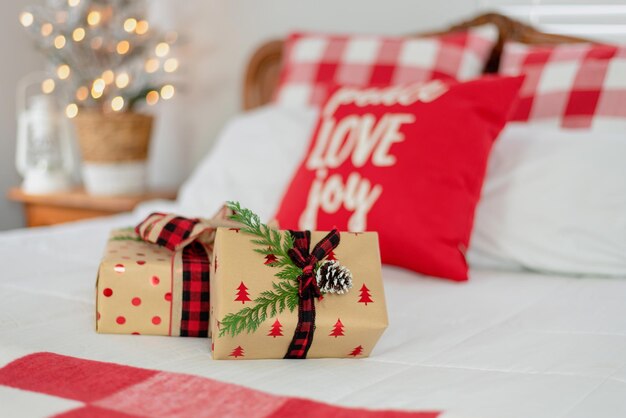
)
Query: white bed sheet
[{"x": 503, "y": 345}]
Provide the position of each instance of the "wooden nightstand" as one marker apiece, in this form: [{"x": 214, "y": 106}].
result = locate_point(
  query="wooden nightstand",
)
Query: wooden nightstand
[{"x": 56, "y": 208}]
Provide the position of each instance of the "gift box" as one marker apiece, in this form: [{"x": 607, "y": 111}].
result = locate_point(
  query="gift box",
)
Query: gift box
[
  {"x": 154, "y": 279},
  {"x": 294, "y": 294}
]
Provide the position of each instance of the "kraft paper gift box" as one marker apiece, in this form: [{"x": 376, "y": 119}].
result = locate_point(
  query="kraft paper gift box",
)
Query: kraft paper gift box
[
  {"x": 257, "y": 299},
  {"x": 154, "y": 279}
]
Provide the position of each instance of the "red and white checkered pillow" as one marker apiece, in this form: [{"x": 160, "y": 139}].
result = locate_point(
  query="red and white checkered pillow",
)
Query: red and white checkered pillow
[
  {"x": 569, "y": 85},
  {"x": 313, "y": 63}
]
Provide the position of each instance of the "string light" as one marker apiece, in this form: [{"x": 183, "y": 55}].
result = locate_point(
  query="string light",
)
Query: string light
[
  {"x": 123, "y": 47},
  {"x": 97, "y": 88},
  {"x": 167, "y": 92},
  {"x": 117, "y": 103},
  {"x": 99, "y": 33},
  {"x": 108, "y": 76},
  {"x": 78, "y": 34},
  {"x": 59, "y": 42},
  {"x": 152, "y": 65},
  {"x": 162, "y": 49},
  {"x": 130, "y": 24},
  {"x": 63, "y": 71},
  {"x": 46, "y": 29},
  {"x": 142, "y": 27},
  {"x": 71, "y": 110},
  {"x": 82, "y": 93},
  {"x": 93, "y": 18},
  {"x": 152, "y": 97},
  {"x": 47, "y": 86},
  {"x": 98, "y": 85},
  {"x": 26, "y": 19},
  {"x": 170, "y": 65},
  {"x": 122, "y": 80}
]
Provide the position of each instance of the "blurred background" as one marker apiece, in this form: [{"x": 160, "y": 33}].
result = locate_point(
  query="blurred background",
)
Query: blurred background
[{"x": 215, "y": 40}]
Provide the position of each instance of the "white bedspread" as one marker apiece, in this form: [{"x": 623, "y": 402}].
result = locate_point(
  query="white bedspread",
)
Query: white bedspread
[{"x": 503, "y": 345}]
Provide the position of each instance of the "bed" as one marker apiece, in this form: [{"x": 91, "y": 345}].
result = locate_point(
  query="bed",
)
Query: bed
[{"x": 506, "y": 344}]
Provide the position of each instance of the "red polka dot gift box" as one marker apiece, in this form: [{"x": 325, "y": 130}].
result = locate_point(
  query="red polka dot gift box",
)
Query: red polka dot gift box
[
  {"x": 294, "y": 294},
  {"x": 405, "y": 161},
  {"x": 154, "y": 279}
]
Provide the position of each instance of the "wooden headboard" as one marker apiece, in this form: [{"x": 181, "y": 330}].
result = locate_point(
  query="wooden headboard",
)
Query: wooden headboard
[{"x": 264, "y": 66}]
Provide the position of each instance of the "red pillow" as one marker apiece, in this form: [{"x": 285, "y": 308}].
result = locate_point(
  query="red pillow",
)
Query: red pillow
[
  {"x": 407, "y": 162},
  {"x": 314, "y": 62}
]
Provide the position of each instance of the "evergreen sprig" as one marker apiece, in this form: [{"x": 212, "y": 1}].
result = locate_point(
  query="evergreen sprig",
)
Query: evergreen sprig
[
  {"x": 132, "y": 237},
  {"x": 127, "y": 238},
  {"x": 284, "y": 294},
  {"x": 268, "y": 304},
  {"x": 270, "y": 240}
]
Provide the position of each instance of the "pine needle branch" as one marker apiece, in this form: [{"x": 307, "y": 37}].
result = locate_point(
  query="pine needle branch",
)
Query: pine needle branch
[
  {"x": 284, "y": 294},
  {"x": 268, "y": 304},
  {"x": 127, "y": 238},
  {"x": 269, "y": 239}
]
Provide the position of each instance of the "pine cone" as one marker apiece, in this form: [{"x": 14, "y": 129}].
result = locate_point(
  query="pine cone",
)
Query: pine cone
[{"x": 332, "y": 277}]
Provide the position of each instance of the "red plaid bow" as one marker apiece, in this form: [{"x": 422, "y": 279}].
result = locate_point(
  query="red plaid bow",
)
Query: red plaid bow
[
  {"x": 195, "y": 306},
  {"x": 307, "y": 287},
  {"x": 193, "y": 238}
]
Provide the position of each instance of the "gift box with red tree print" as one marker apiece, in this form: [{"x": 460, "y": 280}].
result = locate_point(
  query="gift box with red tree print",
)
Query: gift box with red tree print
[{"x": 294, "y": 294}]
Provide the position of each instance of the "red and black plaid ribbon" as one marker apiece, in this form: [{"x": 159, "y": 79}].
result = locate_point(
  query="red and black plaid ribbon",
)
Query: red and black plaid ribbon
[
  {"x": 196, "y": 269},
  {"x": 307, "y": 287}
]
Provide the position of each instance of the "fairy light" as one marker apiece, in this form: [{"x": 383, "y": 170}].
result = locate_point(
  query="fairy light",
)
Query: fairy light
[
  {"x": 98, "y": 85},
  {"x": 108, "y": 76},
  {"x": 46, "y": 29},
  {"x": 117, "y": 103},
  {"x": 122, "y": 80},
  {"x": 162, "y": 49},
  {"x": 71, "y": 110},
  {"x": 59, "y": 42},
  {"x": 123, "y": 47},
  {"x": 63, "y": 71},
  {"x": 130, "y": 24},
  {"x": 47, "y": 86},
  {"x": 152, "y": 97},
  {"x": 110, "y": 86},
  {"x": 93, "y": 18},
  {"x": 82, "y": 93},
  {"x": 27, "y": 19},
  {"x": 170, "y": 65},
  {"x": 142, "y": 27},
  {"x": 152, "y": 65},
  {"x": 78, "y": 34},
  {"x": 167, "y": 92},
  {"x": 97, "y": 88}
]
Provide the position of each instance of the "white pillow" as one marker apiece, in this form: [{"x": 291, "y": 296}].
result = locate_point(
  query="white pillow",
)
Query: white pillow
[
  {"x": 553, "y": 201},
  {"x": 253, "y": 161}
]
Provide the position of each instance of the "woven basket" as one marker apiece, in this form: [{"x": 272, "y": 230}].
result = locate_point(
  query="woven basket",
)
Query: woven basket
[{"x": 113, "y": 137}]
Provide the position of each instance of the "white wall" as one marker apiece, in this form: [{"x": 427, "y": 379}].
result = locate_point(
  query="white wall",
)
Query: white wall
[
  {"x": 220, "y": 35},
  {"x": 217, "y": 38},
  {"x": 18, "y": 58}
]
